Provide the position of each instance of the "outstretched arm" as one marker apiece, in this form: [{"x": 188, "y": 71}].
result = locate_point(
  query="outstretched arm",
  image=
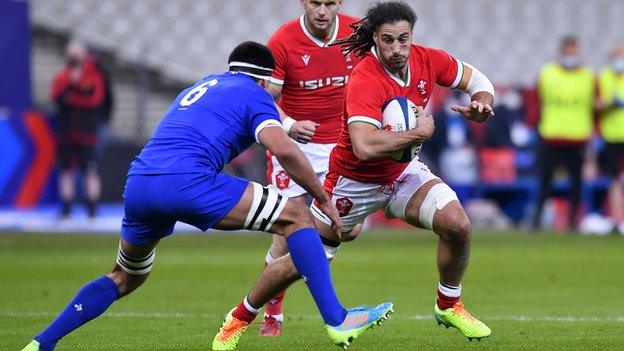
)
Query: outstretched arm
[{"x": 481, "y": 92}]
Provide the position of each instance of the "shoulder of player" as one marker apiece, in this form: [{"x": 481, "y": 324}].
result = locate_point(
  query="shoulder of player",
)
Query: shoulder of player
[
  {"x": 347, "y": 20},
  {"x": 286, "y": 31},
  {"x": 366, "y": 71},
  {"x": 427, "y": 51},
  {"x": 425, "y": 55}
]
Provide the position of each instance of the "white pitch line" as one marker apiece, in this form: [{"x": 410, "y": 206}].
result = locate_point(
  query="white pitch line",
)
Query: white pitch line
[{"x": 510, "y": 318}]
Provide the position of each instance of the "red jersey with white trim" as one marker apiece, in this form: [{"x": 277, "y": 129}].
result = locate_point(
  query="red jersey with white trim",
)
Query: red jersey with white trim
[
  {"x": 313, "y": 75},
  {"x": 370, "y": 88}
]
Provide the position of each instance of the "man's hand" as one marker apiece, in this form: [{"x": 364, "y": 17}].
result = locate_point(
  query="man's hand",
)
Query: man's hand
[
  {"x": 475, "y": 111},
  {"x": 330, "y": 210},
  {"x": 426, "y": 127},
  {"x": 303, "y": 131}
]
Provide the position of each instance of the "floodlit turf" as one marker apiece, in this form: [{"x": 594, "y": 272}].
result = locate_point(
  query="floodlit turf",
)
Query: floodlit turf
[{"x": 536, "y": 292}]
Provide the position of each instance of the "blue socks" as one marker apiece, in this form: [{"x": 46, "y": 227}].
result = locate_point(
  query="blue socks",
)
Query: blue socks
[
  {"x": 90, "y": 302},
  {"x": 309, "y": 258},
  {"x": 307, "y": 254}
]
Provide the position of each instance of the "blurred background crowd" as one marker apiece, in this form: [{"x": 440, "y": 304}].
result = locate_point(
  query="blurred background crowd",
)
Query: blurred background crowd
[{"x": 85, "y": 82}]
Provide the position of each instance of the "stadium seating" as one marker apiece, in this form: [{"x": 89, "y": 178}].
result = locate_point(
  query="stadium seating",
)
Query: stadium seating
[
  {"x": 189, "y": 38},
  {"x": 185, "y": 39}
]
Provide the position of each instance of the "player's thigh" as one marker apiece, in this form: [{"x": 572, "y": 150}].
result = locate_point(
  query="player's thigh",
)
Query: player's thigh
[
  {"x": 149, "y": 202},
  {"x": 423, "y": 200},
  {"x": 264, "y": 209},
  {"x": 409, "y": 191},
  {"x": 235, "y": 218},
  {"x": 436, "y": 206},
  {"x": 354, "y": 201}
]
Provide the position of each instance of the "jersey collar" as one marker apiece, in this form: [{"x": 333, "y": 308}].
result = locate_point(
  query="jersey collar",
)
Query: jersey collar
[
  {"x": 396, "y": 78},
  {"x": 316, "y": 41}
]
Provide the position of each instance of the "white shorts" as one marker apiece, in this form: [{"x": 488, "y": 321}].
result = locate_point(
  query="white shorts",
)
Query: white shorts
[
  {"x": 318, "y": 154},
  {"x": 356, "y": 200}
]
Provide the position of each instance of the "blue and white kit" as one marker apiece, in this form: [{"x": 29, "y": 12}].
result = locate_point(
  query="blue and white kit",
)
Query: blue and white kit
[{"x": 177, "y": 176}]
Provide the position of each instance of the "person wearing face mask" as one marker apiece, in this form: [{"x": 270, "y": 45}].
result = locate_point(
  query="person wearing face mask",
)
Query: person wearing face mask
[
  {"x": 78, "y": 91},
  {"x": 566, "y": 92},
  {"x": 611, "y": 103}
]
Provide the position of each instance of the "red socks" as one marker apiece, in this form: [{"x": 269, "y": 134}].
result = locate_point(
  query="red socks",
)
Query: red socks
[
  {"x": 448, "y": 295},
  {"x": 245, "y": 312},
  {"x": 274, "y": 306}
]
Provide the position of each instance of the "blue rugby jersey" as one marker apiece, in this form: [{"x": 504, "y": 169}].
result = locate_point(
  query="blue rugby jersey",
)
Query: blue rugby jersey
[{"x": 207, "y": 125}]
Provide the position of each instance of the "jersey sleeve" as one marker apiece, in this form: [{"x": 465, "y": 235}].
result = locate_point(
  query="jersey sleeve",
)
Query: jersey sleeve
[
  {"x": 261, "y": 112},
  {"x": 279, "y": 53},
  {"x": 363, "y": 103},
  {"x": 448, "y": 70}
]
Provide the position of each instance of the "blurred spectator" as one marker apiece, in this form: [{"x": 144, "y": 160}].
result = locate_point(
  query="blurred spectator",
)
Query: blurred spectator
[
  {"x": 566, "y": 91},
  {"x": 105, "y": 110},
  {"x": 509, "y": 111},
  {"x": 78, "y": 91},
  {"x": 611, "y": 87}
]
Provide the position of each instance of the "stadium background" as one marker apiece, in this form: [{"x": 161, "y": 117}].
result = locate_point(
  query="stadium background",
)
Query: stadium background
[
  {"x": 538, "y": 291},
  {"x": 152, "y": 49}
]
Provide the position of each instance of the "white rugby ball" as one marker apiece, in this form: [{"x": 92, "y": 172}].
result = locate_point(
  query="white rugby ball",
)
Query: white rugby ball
[{"x": 399, "y": 115}]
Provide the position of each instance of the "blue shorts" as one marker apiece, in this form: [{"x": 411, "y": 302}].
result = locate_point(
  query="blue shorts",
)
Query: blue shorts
[{"x": 153, "y": 203}]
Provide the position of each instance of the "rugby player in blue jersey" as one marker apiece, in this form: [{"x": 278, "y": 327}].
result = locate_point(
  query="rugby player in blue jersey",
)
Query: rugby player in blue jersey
[{"x": 177, "y": 177}]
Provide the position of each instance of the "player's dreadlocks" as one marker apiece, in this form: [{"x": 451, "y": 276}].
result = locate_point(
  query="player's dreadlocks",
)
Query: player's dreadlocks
[{"x": 377, "y": 15}]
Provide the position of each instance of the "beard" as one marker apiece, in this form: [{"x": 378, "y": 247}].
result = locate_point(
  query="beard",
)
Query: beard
[{"x": 398, "y": 62}]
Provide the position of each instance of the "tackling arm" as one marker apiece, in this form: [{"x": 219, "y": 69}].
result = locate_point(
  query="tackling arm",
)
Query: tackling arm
[
  {"x": 293, "y": 160},
  {"x": 301, "y": 171}
]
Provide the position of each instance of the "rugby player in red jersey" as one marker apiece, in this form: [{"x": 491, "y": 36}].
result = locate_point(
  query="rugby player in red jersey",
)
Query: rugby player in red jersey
[
  {"x": 308, "y": 82},
  {"x": 363, "y": 178}
]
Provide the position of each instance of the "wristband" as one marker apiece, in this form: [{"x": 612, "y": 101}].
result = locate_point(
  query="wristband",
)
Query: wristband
[{"x": 287, "y": 123}]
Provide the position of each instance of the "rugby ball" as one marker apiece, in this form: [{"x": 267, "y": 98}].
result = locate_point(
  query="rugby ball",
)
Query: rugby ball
[{"x": 399, "y": 115}]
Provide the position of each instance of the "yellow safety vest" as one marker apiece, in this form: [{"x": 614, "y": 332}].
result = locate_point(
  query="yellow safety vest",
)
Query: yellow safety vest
[
  {"x": 612, "y": 120},
  {"x": 567, "y": 98}
]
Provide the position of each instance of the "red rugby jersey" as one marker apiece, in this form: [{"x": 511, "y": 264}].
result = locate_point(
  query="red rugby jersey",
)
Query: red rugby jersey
[
  {"x": 313, "y": 75},
  {"x": 370, "y": 87}
]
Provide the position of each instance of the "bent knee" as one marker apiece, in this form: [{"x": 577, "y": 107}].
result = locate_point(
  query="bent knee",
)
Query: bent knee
[
  {"x": 296, "y": 215},
  {"x": 461, "y": 228},
  {"x": 456, "y": 228}
]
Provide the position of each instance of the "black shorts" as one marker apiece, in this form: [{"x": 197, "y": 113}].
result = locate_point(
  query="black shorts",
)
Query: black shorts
[
  {"x": 614, "y": 158},
  {"x": 73, "y": 155}
]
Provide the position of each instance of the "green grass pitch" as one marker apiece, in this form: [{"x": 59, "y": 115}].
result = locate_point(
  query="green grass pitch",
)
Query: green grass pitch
[{"x": 536, "y": 291}]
